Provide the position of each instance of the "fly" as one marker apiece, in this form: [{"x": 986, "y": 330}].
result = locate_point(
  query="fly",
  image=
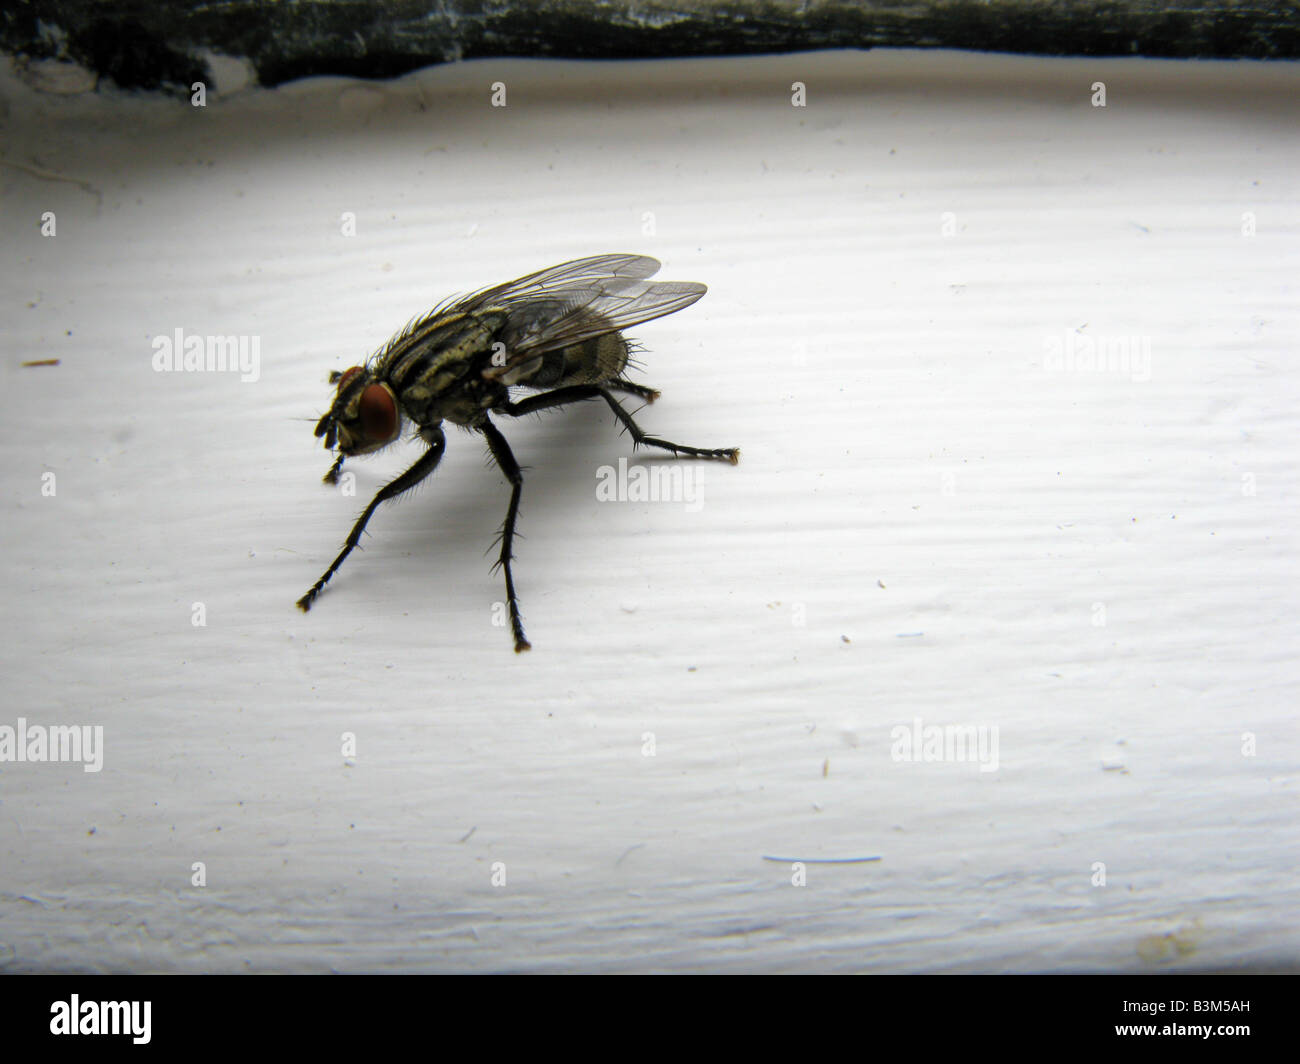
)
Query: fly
[{"x": 557, "y": 332}]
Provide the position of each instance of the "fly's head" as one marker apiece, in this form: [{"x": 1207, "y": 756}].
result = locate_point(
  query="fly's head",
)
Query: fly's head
[{"x": 363, "y": 418}]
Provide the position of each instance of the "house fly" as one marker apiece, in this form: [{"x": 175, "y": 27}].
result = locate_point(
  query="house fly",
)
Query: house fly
[{"x": 557, "y": 333}]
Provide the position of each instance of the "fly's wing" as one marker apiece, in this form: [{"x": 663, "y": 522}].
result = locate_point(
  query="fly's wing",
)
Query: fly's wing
[
  {"x": 558, "y": 306},
  {"x": 570, "y": 316},
  {"x": 576, "y": 301},
  {"x": 567, "y": 276},
  {"x": 557, "y": 287}
]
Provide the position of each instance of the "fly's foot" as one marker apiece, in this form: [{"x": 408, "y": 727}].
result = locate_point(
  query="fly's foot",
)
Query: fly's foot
[{"x": 332, "y": 477}]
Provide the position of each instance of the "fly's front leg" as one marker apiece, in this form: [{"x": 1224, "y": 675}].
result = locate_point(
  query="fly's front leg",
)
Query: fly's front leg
[
  {"x": 332, "y": 477},
  {"x": 424, "y": 465},
  {"x": 578, "y": 392},
  {"x": 506, "y": 460}
]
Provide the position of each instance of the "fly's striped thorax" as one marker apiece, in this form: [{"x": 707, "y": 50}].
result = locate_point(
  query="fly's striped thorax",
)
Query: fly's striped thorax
[{"x": 430, "y": 359}]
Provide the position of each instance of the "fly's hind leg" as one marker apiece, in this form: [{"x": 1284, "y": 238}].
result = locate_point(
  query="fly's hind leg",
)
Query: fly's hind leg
[
  {"x": 639, "y": 438},
  {"x": 506, "y": 460},
  {"x": 639, "y": 390},
  {"x": 578, "y": 392}
]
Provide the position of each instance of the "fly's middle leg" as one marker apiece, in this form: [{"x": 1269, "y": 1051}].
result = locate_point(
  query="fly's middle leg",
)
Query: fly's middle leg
[{"x": 510, "y": 467}]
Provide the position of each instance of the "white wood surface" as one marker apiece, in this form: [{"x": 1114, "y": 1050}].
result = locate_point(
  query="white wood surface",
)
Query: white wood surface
[{"x": 947, "y": 513}]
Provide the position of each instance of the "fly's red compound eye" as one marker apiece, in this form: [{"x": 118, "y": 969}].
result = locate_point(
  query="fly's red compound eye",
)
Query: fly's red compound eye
[
  {"x": 378, "y": 413},
  {"x": 347, "y": 376}
]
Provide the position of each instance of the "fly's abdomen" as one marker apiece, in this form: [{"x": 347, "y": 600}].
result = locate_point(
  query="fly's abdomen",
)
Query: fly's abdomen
[{"x": 601, "y": 358}]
